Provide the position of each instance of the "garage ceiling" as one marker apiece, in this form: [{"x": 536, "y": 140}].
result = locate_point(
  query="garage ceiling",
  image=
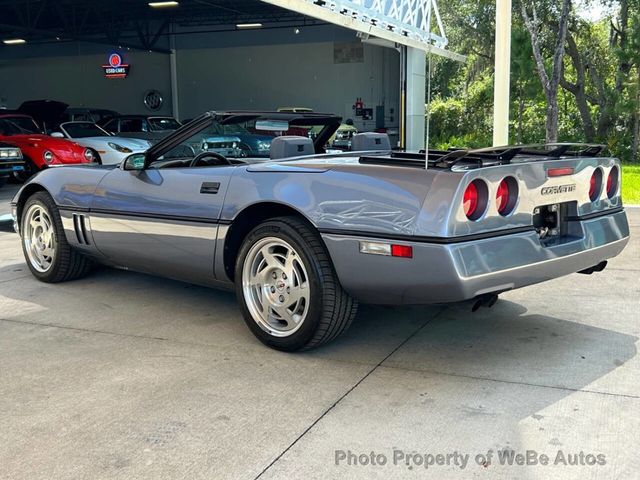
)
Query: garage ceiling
[
  {"x": 134, "y": 24},
  {"x": 130, "y": 23}
]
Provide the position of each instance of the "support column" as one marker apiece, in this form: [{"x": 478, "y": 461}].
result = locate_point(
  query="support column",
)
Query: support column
[
  {"x": 502, "y": 73},
  {"x": 173, "y": 66},
  {"x": 414, "y": 81}
]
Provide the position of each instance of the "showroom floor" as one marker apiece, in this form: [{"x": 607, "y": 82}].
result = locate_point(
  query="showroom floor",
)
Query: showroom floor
[{"x": 127, "y": 376}]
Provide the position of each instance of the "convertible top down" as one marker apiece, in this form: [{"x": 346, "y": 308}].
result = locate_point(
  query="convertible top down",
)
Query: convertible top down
[{"x": 306, "y": 235}]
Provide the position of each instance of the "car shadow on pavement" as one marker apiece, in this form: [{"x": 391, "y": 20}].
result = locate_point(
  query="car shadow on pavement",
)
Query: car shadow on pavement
[{"x": 506, "y": 343}]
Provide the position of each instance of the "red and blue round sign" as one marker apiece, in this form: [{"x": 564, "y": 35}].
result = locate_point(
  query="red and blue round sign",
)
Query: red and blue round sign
[
  {"x": 115, "y": 60},
  {"x": 116, "y": 68}
]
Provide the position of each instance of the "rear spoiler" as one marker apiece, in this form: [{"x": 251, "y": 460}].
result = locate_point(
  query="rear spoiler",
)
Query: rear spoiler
[{"x": 489, "y": 156}]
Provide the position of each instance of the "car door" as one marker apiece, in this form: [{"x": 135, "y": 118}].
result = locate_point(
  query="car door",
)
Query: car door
[{"x": 161, "y": 221}]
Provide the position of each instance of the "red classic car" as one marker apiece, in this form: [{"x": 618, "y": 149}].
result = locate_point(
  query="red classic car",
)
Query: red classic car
[{"x": 39, "y": 151}]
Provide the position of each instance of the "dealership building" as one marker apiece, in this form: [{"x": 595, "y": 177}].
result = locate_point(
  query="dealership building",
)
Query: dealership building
[{"x": 363, "y": 60}]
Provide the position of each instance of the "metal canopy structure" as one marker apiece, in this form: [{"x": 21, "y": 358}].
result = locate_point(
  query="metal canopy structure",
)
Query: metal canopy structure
[
  {"x": 131, "y": 23},
  {"x": 412, "y": 23}
]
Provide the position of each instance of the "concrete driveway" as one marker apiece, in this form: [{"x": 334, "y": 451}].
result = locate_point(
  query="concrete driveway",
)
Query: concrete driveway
[{"x": 126, "y": 376}]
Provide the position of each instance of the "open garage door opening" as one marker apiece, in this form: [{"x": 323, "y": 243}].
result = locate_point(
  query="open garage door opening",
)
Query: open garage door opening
[{"x": 181, "y": 58}]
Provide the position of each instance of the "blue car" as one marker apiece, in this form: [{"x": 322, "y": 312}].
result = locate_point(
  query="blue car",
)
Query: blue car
[{"x": 251, "y": 144}]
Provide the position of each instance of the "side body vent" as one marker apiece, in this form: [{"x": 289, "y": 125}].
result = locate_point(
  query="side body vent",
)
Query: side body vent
[{"x": 80, "y": 227}]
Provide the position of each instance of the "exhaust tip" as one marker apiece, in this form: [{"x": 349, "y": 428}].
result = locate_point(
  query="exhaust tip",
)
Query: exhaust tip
[
  {"x": 596, "y": 268},
  {"x": 487, "y": 300}
]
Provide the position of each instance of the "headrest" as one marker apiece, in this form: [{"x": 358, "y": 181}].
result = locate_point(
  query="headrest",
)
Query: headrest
[
  {"x": 369, "y": 141},
  {"x": 291, "y": 146}
]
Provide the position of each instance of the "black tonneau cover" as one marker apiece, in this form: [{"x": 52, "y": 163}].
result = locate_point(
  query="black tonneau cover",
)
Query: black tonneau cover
[{"x": 483, "y": 157}]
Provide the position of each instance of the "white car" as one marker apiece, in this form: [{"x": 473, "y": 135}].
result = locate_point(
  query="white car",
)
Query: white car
[{"x": 109, "y": 150}]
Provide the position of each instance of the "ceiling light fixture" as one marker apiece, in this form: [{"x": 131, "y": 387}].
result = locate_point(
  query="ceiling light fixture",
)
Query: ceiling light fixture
[
  {"x": 14, "y": 41},
  {"x": 163, "y": 4},
  {"x": 249, "y": 25}
]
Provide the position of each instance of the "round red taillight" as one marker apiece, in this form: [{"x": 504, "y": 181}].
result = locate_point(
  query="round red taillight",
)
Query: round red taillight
[
  {"x": 507, "y": 196},
  {"x": 502, "y": 196},
  {"x": 595, "y": 185},
  {"x": 474, "y": 201},
  {"x": 613, "y": 181},
  {"x": 470, "y": 201}
]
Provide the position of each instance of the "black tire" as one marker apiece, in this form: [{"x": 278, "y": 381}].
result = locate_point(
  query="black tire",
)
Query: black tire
[
  {"x": 68, "y": 264},
  {"x": 331, "y": 310},
  {"x": 245, "y": 150},
  {"x": 3, "y": 181},
  {"x": 30, "y": 169},
  {"x": 96, "y": 156}
]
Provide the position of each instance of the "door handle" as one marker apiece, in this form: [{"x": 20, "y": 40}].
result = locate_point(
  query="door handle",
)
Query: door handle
[{"x": 210, "y": 188}]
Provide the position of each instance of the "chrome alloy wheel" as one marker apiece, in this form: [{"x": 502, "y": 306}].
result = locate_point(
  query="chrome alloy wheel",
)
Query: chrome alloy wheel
[
  {"x": 276, "y": 286},
  {"x": 39, "y": 239}
]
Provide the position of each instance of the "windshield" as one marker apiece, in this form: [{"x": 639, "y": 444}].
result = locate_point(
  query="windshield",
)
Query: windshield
[
  {"x": 20, "y": 125},
  {"x": 233, "y": 141},
  {"x": 246, "y": 136},
  {"x": 8, "y": 127},
  {"x": 83, "y": 130},
  {"x": 232, "y": 129},
  {"x": 164, "y": 123}
]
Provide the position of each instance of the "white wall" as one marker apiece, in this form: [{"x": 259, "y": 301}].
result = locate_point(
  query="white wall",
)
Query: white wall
[
  {"x": 269, "y": 77},
  {"x": 79, "y": 81}
]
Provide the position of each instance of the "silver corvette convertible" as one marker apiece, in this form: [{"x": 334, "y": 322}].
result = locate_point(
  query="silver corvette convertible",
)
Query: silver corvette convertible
[{"x": 305, "y": 235}]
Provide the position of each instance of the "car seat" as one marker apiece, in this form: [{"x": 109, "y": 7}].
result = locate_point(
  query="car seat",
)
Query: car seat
[
  {"x": 290, "y": 146},
  {"x": 370, "y": 141}
]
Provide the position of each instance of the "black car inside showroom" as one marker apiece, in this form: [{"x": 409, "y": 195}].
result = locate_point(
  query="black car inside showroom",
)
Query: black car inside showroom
[{"x": 251, "y": 239}]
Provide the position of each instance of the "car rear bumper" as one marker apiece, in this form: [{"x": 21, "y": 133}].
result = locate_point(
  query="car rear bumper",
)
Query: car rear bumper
[{"x": 458, "y": 271}]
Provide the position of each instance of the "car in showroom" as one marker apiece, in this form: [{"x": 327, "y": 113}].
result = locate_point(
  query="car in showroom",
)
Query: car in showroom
[
  {"x": 45, "y": 113},
  {"x": 84, "y": 114},
  {"x": 11, "y": 161},
  {"x": 342, "y": 138},
  {"x": 106, "y": 148},
  {"x": 305, "y": 236},
  {"x": 40, "y": 151},
  {"x": 248, "y": 143},
  {"x": 145, "y": 127}
]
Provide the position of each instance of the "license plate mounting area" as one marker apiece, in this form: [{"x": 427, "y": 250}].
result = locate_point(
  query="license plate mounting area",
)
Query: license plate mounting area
[{"x": 550, "y": 221}]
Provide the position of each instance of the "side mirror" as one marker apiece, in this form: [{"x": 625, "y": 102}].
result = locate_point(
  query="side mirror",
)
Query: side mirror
[
  {"x": 135, "y": 162},
  {"x": 57, "y": 135}
]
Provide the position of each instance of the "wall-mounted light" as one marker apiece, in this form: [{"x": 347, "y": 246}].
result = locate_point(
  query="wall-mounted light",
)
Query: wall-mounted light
[
  {"x": 249, "y": 25},
  {"x": 168, "y": 4},
  {"x": 14, "y": 41}
]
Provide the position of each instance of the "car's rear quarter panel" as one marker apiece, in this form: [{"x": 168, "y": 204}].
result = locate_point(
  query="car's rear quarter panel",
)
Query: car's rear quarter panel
[{"x": 453, "y": 259}]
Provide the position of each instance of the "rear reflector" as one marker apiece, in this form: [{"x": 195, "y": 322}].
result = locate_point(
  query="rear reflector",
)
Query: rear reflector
[
  {"x": 404, "y": 251},
  {"x": 559, "y": 172},
  {"x": 386, "y": 249}
]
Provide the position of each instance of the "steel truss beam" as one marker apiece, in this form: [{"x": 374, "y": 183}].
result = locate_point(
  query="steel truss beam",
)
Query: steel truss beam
[{"x": 406, "y": 22}]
